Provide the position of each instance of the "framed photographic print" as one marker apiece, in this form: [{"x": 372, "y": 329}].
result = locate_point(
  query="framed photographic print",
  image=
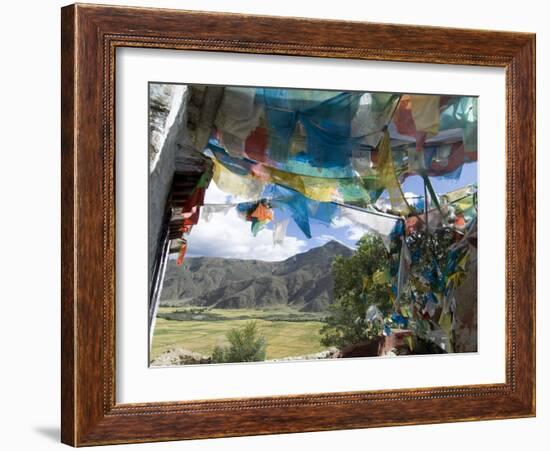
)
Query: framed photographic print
[{"x": 279, "y": 225}]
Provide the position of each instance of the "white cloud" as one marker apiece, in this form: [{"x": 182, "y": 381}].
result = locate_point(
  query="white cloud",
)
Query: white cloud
[{"x": 229, "y": 236}]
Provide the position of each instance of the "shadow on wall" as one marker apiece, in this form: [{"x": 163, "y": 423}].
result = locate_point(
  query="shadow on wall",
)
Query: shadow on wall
[{"x": 52, "y": 433}]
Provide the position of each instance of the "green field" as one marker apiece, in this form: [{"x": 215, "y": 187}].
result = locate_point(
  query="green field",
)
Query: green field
[{"x": 288, "y": 333}]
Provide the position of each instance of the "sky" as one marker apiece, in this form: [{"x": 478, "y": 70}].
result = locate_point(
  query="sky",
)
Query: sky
[
  {"x": 441, "y": 185},
  {"x": 227, "y": 235}
]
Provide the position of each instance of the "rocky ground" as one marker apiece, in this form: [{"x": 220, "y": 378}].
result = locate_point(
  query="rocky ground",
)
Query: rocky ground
[
  {"x": 178, "y": 356},
  {"x": 330, "y": 353}
]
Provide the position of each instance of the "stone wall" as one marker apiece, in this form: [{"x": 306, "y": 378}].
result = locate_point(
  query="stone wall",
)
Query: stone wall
[{"x": 167, "y": 127}]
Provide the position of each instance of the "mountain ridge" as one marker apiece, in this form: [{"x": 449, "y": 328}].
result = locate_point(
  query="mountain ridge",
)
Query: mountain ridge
[{"x": 303, "y": 281}]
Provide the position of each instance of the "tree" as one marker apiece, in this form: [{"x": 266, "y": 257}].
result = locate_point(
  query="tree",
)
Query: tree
[
  {"x": 246, "y": 344},
  {"x": 360, "y": 281}
]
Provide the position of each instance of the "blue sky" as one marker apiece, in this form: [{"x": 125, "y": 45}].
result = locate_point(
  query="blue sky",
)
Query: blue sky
[
  {"x": 415, "y": 184},
  {"x": 227, "y": 235}
]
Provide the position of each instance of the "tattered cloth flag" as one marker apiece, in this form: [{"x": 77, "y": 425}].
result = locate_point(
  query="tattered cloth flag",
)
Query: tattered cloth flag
[
  {"x": 181, "y": 253},
  {"x": 191, "y": 210},
  {"x": 379, "y": 223},
  {"x": 279, "y": 232},
  {"x": 237, "y": 117},
  {"x": 244, "y": 186},
  {"x": 404, "y": 267},
  {"x": 388, "y": 176},
  {"x": 208, "y": 210},
  {"x": 258, "y": 213}
]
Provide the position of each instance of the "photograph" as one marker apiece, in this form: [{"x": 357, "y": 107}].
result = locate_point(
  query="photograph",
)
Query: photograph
[{"x": 293, "y": 224}]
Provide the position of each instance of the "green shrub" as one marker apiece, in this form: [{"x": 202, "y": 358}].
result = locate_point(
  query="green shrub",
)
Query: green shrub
[{"x": 246, "y": 344}]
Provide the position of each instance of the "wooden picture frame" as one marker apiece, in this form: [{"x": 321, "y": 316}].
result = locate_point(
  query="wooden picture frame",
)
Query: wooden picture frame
[{"x": 90, "y": 37}]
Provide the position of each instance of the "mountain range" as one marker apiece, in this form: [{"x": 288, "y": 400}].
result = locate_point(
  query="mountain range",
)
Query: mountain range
[{"x": 303, "y": 281}]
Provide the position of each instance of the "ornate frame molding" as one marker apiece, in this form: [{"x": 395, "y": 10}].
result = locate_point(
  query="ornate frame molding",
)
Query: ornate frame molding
[{"x": 90, "y": 36}]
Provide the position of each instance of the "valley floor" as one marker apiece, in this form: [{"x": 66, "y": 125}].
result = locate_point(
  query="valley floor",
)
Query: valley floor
[{"x": 288, "y": 332}]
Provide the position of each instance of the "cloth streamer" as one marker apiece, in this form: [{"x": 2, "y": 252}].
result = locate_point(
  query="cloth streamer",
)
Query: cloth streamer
[
  {"x": 209, "y": 210},
  {"x": 373, "y": 314},
  {"x": 461, "y": 112},
  {"x": 453, "y": 196},
  {"x": 378, "y": 223},
  {"x": 374, "y": 112},
  {"x": 404, "y": 268},
  {"x": 246, "y": 187},
  {"x": 388, "y": 177},
  {"x": 326, "y": 117},
  {"x": 322, "y": 189},
  {"x": 425, "y": 113},
  {"x": 354, "y": 190},
  {"x": 291, "y": 202},
  {"x": 237, "y": 117},
  {"x": 279, "y": 232},
  {"x": 323, "y": 212},
  {"x": 258, "y": 213},
  {"x": 190, "y": 212},
  {"x": 181, "y": 253}
]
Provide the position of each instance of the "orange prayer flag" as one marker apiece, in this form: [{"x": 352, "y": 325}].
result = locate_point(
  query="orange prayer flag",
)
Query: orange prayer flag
[
  {"x": 181, "y": 254},
  {"x": 262, "y": 213}
]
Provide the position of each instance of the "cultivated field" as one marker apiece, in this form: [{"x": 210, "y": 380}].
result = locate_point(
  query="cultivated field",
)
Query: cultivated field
[{"x": 288, "y": 332}]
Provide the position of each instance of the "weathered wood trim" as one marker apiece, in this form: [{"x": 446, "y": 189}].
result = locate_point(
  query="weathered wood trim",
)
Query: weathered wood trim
[{"x": 90, "y": 36}]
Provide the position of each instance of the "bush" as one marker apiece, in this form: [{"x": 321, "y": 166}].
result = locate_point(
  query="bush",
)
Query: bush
[{"x": 246, "y": 344}]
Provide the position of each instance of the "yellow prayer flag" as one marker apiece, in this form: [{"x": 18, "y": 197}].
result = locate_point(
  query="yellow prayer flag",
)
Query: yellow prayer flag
[
  {"x": 425, "y": 113},
  {"x": 237, "y": 185},
  {"x": 388, "y": 176}
]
